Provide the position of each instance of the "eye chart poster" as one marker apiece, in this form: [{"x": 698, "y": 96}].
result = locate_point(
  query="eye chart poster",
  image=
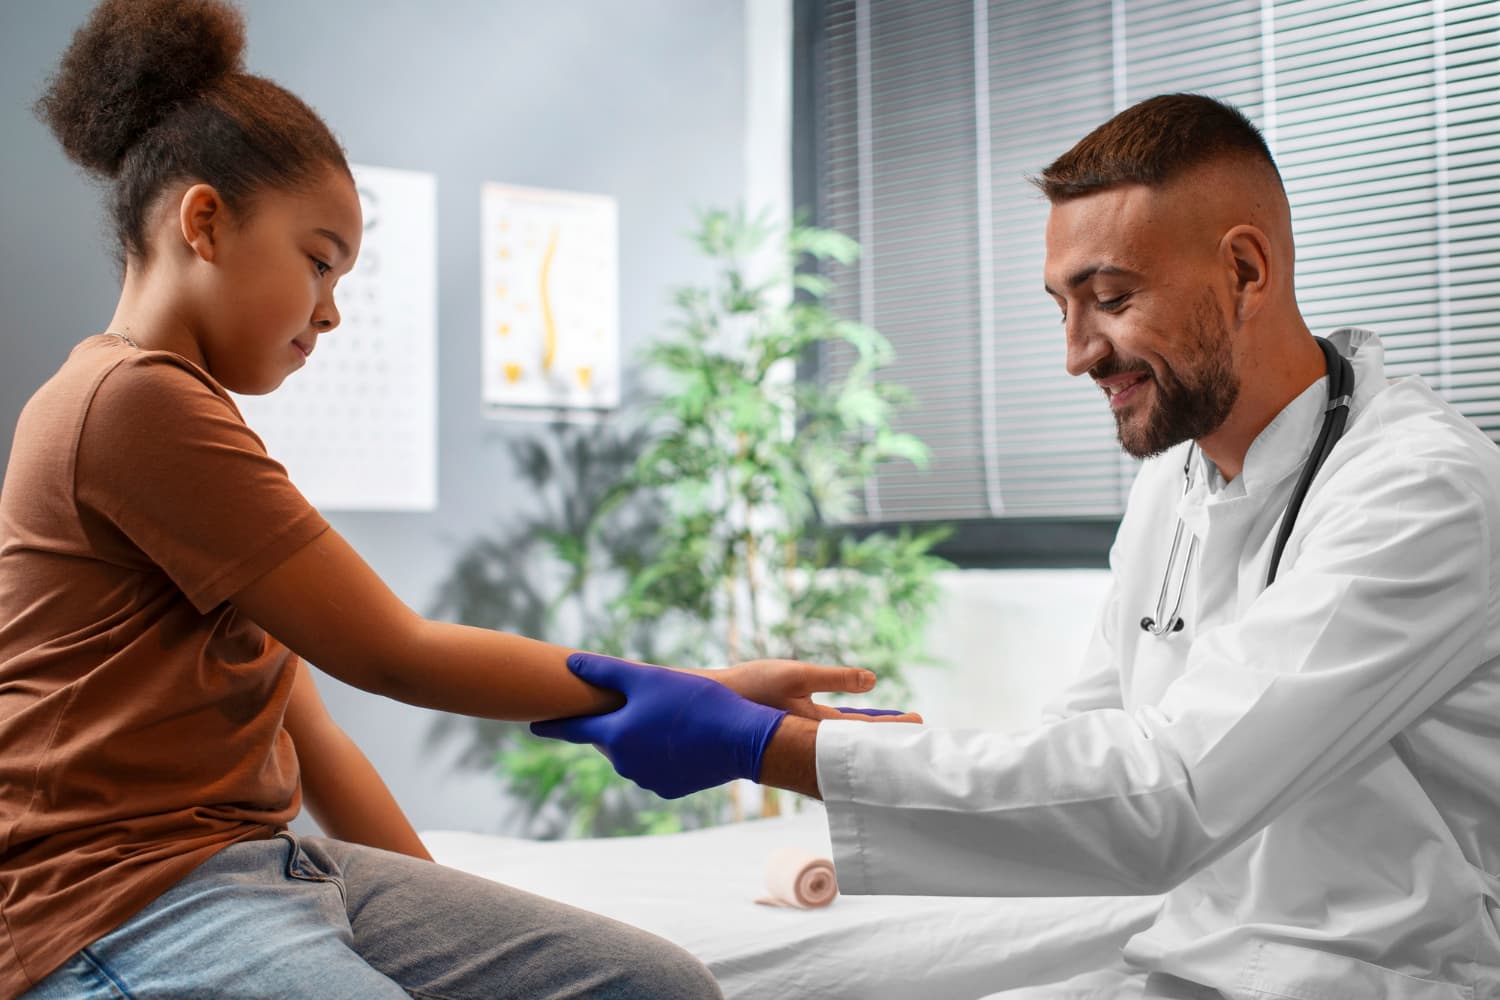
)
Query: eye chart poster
[
  {"x": 356, "y": 427},
  {"x": 550, "y": 309}
]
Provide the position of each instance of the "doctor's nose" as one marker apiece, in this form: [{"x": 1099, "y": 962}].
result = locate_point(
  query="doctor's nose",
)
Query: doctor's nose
[{"x": 1084, "y": 349}]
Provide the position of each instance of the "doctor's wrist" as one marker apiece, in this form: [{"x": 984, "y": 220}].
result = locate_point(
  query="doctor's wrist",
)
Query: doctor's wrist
[{"x": 791, "y": 757}]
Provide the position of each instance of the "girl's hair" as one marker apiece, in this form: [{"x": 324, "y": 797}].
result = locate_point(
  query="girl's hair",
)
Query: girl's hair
[{"x": 153, "y": 92}]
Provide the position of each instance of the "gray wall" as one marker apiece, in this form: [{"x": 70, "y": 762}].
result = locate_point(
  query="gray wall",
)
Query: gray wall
[{"x": 643, "y": 100}]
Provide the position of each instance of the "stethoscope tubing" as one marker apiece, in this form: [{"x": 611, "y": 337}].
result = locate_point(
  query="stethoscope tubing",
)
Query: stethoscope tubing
[
  {"x": 1340, "y": 391},
  {"x": 1335, "y": 418}
]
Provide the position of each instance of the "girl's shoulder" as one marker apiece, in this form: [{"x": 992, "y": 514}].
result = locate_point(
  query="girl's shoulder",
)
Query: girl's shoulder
[
  {"x": 113, "y": 406},
  {"x": 108, "y": 382},
  {"x": 122, "y": 380}
]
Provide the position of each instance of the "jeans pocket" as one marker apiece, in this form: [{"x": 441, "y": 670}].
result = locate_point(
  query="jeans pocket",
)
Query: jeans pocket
[{"x": 300, "y": 866}]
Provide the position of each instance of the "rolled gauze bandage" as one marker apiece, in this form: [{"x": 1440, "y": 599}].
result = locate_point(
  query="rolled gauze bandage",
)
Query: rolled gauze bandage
[{"x": 799, "y": 878}]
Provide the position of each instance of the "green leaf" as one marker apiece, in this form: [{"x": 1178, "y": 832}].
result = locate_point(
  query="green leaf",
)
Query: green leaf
[
  {"x": 823, "y": 244},
  {"x": 908, "y": 446},
  {"x": 813, "y": 284},
  {"x": 862, "y": 406}
]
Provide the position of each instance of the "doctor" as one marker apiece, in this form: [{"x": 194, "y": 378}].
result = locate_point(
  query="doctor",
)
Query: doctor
[{"x": 1309, "y": 768}]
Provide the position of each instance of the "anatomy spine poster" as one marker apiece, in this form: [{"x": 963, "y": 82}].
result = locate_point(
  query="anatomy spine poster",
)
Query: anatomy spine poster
[
  {"x": 550, "y": 307},
  {"x": 356, "y": 427}
]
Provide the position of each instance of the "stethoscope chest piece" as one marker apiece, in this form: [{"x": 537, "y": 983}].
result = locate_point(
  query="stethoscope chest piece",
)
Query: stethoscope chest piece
[{"x": 1168, "y": 617}]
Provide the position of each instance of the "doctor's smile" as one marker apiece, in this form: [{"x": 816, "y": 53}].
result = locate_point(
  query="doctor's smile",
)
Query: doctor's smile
[{"x": 1121, "y": 389}]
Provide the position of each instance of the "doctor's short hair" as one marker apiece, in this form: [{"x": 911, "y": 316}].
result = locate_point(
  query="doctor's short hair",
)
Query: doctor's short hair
[{"x": 1153, "y": 143}]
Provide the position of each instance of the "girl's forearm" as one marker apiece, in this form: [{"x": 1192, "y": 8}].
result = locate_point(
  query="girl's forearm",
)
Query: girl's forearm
[{"x": 496, "y": 675}]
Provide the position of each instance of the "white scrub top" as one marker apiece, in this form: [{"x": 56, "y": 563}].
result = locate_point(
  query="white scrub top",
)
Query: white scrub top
[{"x": 1311, "y": 772}]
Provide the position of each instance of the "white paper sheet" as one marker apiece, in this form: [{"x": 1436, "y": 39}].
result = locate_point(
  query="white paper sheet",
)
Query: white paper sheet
[
  {"x": 699, "y": 889},
  {"x": 357, "y": 427}
]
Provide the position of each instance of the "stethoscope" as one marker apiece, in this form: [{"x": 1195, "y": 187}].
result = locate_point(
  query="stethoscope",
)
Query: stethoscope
[{"x": 1335, "y": 415}]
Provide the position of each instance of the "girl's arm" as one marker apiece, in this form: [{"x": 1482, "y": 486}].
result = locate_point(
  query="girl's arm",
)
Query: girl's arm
[
  {"x": 340, "y": 787},
  {"x": 327, "y": 605}
]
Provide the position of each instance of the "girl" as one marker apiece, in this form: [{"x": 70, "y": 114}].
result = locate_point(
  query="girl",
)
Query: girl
[{"x": 163, "y": 586}]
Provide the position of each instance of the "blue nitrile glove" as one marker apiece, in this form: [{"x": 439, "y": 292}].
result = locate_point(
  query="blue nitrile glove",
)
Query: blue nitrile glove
[
  {"x": 676, "y": 734},
  {"x": 871, "y": 711}
]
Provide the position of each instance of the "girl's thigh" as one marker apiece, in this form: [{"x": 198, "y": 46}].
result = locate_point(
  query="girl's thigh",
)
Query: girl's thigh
[
  {"x": 246, "y": 923},
  {"x": 321, "y": 918},
  {"x": 444, "y": 933}
]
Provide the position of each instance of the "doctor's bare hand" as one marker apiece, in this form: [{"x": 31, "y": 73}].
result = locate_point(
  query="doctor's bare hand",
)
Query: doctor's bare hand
[{"x": 790, "y": 684}]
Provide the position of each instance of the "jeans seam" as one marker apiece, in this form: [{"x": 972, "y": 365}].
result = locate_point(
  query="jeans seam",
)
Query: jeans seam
[{"x": 102, "y": 967}]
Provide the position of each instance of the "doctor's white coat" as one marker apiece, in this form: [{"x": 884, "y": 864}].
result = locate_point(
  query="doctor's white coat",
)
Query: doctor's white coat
[{"x": 1311, "y": 772}]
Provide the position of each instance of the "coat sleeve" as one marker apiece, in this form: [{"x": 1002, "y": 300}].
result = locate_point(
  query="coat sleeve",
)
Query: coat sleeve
[{"x": 1385, "y": 609}]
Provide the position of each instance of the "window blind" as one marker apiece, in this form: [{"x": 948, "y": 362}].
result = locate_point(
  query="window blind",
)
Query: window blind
[{"x": 1383, "y": 115}]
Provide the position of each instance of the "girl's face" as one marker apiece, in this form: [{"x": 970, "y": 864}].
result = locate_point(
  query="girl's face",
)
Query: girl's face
[{"x": 272, "y": 296}]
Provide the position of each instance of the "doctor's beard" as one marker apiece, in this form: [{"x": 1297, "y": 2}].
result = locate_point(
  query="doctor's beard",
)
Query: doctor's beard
[{"x": 1193, "y": 395}]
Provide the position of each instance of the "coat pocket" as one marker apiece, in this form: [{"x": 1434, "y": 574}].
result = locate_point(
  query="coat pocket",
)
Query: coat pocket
[{"x": 1279, "y": 970}]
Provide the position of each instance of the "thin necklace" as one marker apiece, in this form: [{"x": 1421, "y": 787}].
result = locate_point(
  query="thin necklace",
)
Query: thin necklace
[{"x": 111, "y": 333}]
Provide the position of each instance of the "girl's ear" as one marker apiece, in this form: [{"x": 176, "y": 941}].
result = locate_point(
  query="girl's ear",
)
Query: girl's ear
[{"x": 202, "y": 217}]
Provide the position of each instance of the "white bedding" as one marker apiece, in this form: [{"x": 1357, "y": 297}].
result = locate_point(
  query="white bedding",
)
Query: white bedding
[{"x": 698, "y": 889}]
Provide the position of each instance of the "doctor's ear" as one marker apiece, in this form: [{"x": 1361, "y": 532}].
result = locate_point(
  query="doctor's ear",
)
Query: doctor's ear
[
  {"x": 202, "y": 218},
  {"x": 1246, "y": 252}
]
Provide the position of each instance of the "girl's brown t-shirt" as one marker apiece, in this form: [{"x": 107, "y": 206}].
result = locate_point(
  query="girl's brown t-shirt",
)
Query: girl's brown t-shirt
[{"x": 140, "y": 714}]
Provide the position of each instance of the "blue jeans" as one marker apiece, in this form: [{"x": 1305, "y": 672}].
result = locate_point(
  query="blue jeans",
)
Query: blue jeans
[{"x": 316, "y": 918}]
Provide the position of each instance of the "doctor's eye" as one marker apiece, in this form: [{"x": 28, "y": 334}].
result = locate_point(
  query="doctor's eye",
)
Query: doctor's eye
[{"x": 1112, "y": 305}]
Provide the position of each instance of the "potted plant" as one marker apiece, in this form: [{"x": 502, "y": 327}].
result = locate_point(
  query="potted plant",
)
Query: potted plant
[{"x": 727, "y": 536}]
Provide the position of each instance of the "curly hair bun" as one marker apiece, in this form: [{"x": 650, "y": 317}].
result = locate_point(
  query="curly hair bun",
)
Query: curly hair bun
[{"x": 129, "y": 66}]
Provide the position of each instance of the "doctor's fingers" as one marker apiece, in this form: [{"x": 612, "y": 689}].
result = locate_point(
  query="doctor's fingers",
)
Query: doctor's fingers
[
  {"x": 611, "y": 672},
  {"x": 580, "y": 729},
  {"x": 849, "y": 714},
  {"x": 846, "y": 680},
  {"x": 763, "y": 679}
]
